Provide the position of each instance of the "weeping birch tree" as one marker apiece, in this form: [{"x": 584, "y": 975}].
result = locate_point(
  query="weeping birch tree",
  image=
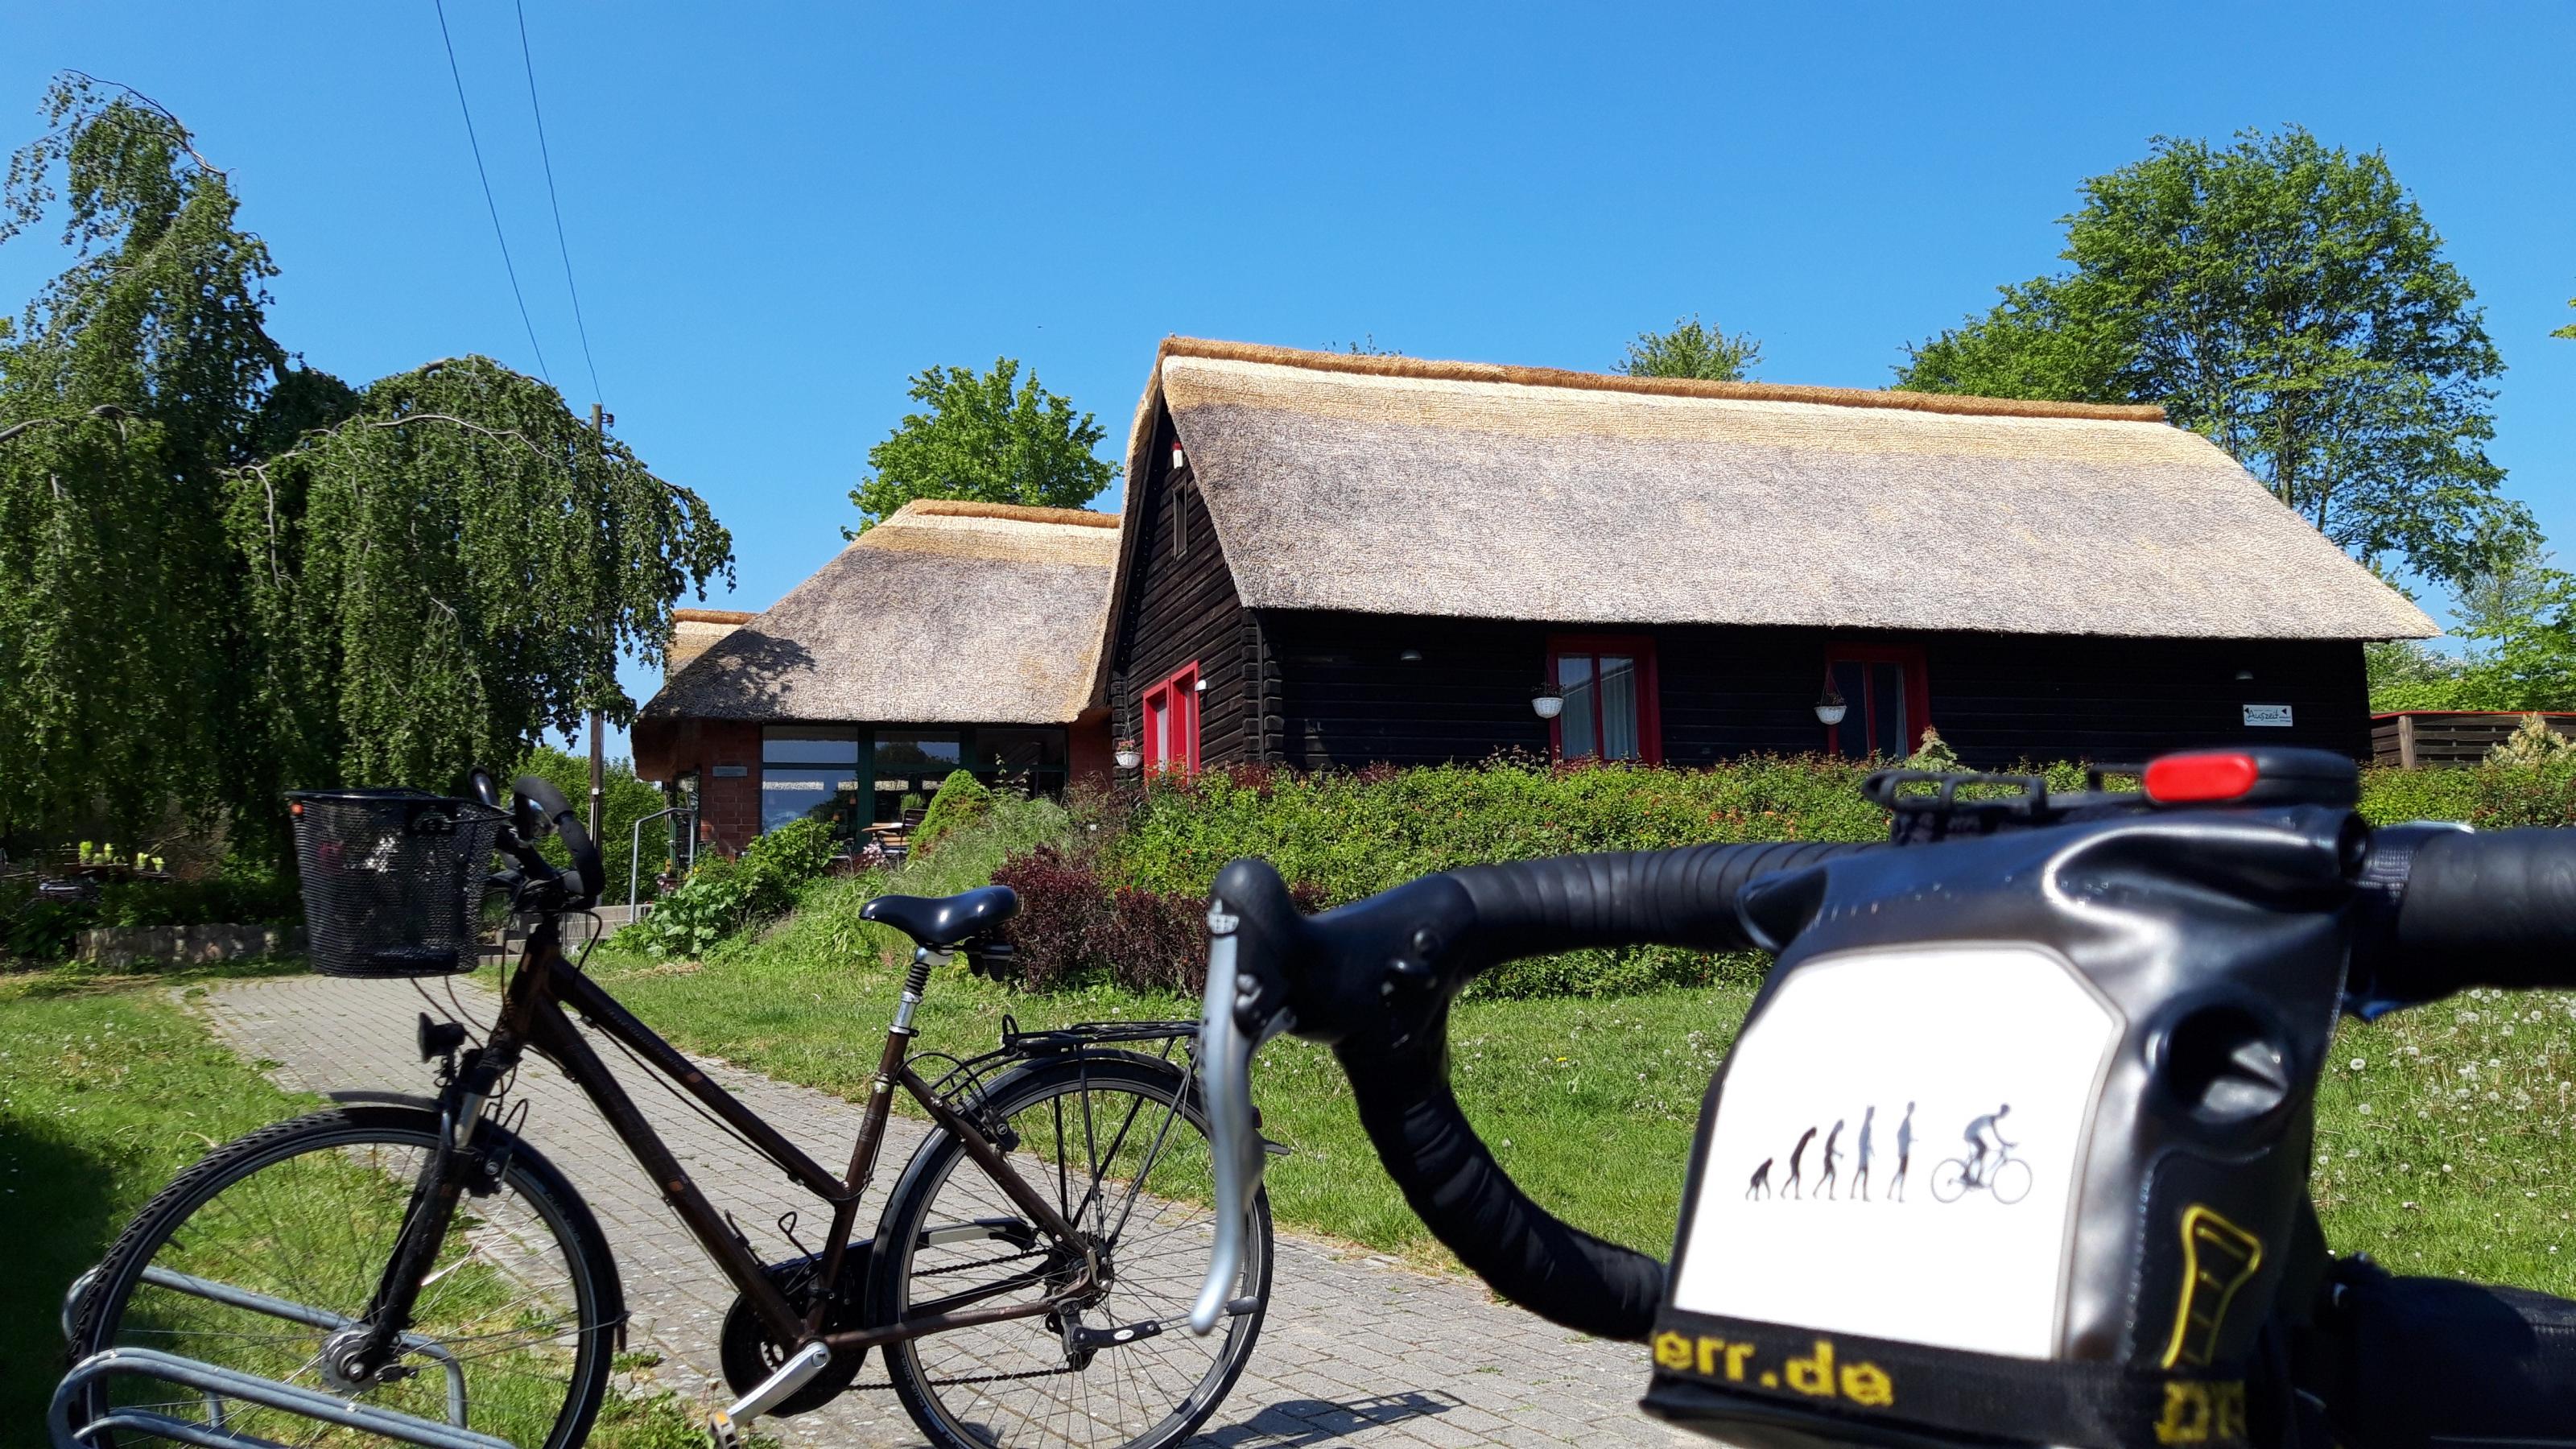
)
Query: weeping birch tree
[{"x": 223, "y": 574}]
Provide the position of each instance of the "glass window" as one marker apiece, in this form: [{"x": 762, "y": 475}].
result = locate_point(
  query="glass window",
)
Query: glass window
[
  {"x": 810, "y": 772},
  {"x": 1874, "y": 709},
  {"x": 789, "y": 794},
  {"x": 913, "y": 762},
  {"x": 1609, "y": 705},
  {"x": 809, "y": 745}
]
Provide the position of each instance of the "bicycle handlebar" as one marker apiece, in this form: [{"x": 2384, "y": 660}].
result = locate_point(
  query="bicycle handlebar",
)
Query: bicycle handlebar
[{"x": 1374, "y": 979}]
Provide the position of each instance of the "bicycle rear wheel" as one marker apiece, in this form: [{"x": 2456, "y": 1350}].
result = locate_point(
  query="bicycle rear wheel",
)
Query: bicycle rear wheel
[
  {"x": 1119, "y": 1144},
  {"x": 257, "y": 1259}
]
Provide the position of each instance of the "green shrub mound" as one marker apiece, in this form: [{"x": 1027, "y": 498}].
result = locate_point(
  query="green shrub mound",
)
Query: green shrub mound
[
  {"x": 962, "y": 800},
  {"x": 722, "y": 896},
  {"x": 1113, "y": 891}
]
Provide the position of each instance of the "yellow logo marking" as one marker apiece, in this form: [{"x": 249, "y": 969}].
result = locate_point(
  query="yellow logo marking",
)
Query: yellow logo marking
[
  {"x": 2218, "y": 1258},
  {"x": 1816, "y": 1374},
  {"x": 2202, "y": 1414}
]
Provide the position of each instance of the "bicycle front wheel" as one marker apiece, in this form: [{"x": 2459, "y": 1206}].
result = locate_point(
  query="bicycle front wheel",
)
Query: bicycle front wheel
[
  {"x": 262, "y": 1257},
  {"x": 2011, "y": 1181},
  {"x": 1118, "y": 1143}
]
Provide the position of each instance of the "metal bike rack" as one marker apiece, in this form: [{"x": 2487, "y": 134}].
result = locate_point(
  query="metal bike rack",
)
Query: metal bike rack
[{"x": 219, "y": 1384}]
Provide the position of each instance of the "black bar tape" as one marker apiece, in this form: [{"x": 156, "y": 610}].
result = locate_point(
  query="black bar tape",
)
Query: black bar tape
[
  {"x": 2485, "y": 909},
  {"x": 1684, "y": 897},
  {"x": 1450, "y": 1179}
]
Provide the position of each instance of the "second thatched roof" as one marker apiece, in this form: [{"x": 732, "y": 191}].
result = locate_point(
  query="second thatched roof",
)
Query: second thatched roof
[
  {"x": 945, "y": 613},
  {"x": 1399, "y": 486}
]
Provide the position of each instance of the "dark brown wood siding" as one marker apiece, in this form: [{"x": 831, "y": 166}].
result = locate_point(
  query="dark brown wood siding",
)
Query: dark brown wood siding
[
  {"x": 1181, "y": 607},
  {"x": 1346, "y": 697}
]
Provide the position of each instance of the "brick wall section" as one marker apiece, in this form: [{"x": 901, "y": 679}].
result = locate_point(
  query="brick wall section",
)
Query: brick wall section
[
  {"x": 1087, "y": 749},
  {"x": 728, "y": 806}
]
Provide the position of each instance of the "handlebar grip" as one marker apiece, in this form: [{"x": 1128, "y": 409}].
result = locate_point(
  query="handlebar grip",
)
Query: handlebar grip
[
  {"x": 2483, "y": 909},
  {"x": 1686, "y": 897},
  {"x": 592, "y": 875}
]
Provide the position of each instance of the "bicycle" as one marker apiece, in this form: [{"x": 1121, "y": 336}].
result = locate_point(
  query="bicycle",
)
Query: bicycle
[
  {"x": 2194, "y": 940},
  {"x": 410, "y": 1268},
  {"x": 2004, "y": 1176}
]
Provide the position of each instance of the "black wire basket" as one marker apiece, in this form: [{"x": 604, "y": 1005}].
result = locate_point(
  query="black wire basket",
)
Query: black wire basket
[{"x": 392, "y": 879}]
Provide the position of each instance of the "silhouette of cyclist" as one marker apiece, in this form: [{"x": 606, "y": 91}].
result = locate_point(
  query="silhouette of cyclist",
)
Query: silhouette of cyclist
[{"x": 1979, "y": 1132}]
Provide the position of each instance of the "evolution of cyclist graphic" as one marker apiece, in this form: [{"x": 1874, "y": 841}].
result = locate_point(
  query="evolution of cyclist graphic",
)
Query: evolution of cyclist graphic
[{"x": 1987, "y": 1166}]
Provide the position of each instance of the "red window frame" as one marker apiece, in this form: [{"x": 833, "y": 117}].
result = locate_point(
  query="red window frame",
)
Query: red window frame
[
  {"x": 1177, "y": 694},
  {"x": 1650, "y": 713},
  {"x": 1918, "y": 687}
]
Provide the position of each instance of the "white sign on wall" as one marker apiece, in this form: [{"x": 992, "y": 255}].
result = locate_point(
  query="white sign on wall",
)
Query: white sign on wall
[{"x": 2277, "y": 715}]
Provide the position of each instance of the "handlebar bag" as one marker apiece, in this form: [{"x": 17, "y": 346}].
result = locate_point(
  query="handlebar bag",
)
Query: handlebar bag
[
  {"x": 2013, "y": 1146},
  {"x": 2435, "y": 1363}
]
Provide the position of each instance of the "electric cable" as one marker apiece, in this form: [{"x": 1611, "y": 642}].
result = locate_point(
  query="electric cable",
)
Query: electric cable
[
  {"x": 488, "y": 203},
  {"x": 562, "y": 248}
]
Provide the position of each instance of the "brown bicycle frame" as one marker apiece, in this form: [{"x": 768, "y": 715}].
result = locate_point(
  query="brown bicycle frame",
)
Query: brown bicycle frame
[{"x": 532, "y": 1016}]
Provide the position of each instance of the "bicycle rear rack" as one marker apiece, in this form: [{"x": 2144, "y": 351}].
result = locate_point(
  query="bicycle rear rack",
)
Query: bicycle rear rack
[{"x": 219, "y": 1384}]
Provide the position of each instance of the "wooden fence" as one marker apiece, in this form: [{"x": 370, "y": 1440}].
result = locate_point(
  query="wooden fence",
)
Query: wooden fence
[{"x": 2446, "y": 738}]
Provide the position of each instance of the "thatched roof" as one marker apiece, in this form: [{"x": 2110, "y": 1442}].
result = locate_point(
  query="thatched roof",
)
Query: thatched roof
[
  {"x": 1398, "y": 486},
  {"x": 945, "y": 613}
]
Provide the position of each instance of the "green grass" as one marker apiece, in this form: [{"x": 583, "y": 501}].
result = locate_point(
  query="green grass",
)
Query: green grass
[
  {"x": 1591, "y": 1102},
  {"x": 107, "y": 1090}
]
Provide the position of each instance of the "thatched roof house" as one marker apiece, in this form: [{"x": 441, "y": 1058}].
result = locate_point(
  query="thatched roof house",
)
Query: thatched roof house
[
  {"x": 1339, "y": 559},
  {"x": 950, "y": 635}
]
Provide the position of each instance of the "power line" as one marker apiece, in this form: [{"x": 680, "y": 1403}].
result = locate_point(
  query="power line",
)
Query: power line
[
  {"x": 488, "y": 203},
  {"x": 561, "y": 247}
]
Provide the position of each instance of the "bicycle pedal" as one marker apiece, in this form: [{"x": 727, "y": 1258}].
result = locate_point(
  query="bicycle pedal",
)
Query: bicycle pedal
[
  {"x": 1098, "y": 1338},
  {"x": 722, "y": 1432}
]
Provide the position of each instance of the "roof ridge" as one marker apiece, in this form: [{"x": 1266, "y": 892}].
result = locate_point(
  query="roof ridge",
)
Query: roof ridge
[
  {"x": 1021, "y": 512},
  {"x": 1386, "y": 365}
]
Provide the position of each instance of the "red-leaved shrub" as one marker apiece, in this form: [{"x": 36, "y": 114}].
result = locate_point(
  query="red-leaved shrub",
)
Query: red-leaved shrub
[{"x": 1074, "y": 927}]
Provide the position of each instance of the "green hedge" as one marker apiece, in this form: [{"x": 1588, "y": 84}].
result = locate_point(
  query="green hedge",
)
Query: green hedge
[{"x": 1351, "y": 834}]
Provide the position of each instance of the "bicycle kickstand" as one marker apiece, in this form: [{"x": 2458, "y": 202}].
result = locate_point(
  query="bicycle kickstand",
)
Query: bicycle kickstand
[{"x": 725, "y": 1426}]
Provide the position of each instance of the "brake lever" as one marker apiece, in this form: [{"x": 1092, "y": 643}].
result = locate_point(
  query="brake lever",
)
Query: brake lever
[{"x": 1225, "y": 1050}]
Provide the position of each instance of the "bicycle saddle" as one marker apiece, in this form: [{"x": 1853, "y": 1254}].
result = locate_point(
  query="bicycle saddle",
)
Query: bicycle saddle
[{"x": 940, "y": 922}]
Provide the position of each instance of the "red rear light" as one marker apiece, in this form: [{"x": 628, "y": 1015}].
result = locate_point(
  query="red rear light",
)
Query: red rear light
[{"x": 2200, "y": 779}]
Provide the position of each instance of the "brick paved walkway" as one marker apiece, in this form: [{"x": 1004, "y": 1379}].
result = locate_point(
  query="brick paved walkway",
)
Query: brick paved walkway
[{"x": 1356, "y": 1347}]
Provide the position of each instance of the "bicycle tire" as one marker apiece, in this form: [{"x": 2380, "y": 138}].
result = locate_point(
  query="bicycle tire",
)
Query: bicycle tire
[
  {"x": 1029, "y": 1346},
  {"x": 1952, "y": 1171},
  {"x": 532, "y": 1198},
  {"x": 2005, "y": 1173}
]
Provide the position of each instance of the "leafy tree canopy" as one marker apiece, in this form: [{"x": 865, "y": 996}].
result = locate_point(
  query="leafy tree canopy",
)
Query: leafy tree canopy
[
  {"x": 2290, "y": 301},
  {"x": 2519, "y": 618},
  {"x": 1693, "y": 350},
  {"x": 223, "y": 574},
  {"x": 453, "y": 570},
  {"x": 130, "y": 382},
  {"x": 987, "y": 437}
]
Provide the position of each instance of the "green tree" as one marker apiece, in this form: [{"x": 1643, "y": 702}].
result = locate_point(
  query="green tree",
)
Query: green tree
[
  {"x": 2290, "y": 301},
  {"x": 1693, "y": 350},
  {"x": 988, "y": 437},
  {"x": 452, "y": 571},
  {"x": 222, "y": 573},
  {"x": 2568, "y": 331},
  {"x": 626, "y": 800},
  {"x": 2518, "y": 619},
  {"x": 130, "y": 382}
]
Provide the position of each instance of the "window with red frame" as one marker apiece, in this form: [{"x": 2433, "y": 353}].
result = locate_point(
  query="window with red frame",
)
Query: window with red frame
[
  {"x": 1886, "y": 700},
  {"x": 1608, "y": 683},
  {"x": 1171, "y": 723}
]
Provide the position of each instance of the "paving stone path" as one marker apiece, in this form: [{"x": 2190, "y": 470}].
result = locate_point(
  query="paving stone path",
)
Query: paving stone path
[{"x": 1357, "y": 1347}]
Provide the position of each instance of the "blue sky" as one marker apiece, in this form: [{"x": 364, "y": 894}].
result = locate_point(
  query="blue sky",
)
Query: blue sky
[{"x": 777, "y": 214}]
